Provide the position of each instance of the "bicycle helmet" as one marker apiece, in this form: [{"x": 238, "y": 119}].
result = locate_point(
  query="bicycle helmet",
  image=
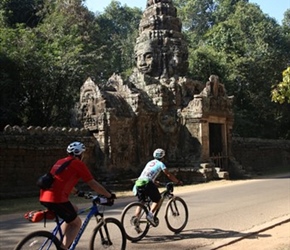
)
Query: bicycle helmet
[
  {"x": 76, "y": 148},
  {"x": 158, "y": 153}
]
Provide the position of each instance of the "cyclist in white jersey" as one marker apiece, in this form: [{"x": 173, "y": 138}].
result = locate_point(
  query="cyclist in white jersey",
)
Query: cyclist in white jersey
[{"x": 145, "y": 184}]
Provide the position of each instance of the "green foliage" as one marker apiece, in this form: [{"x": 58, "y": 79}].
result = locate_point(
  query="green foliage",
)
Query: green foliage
[
  {"x": 118, "y": 32},
  {"x": 50, "y": 61},
  {"x": 286, "y": 19},
  {"x": 281, "y": 92},
  {"x": 196, "y": 15},
  {"x": 247, "y": 49},
  {"x": 48, "y": 48},
  {"x": 205, "y": 61},
  {"x": 14, "y": 12}
]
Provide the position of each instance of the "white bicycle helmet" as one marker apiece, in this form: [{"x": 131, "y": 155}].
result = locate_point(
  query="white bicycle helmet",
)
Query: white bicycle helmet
[
  {"x": 76, "y": 148},
  {"x": 158, "y": 153}
]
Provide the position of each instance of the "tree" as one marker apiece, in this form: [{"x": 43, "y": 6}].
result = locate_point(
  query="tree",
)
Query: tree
[
  {"x": 286, "y": 19},
  {"x": 47, "y": 54},
  {"x": 281, "y": 92},
  {"x": 14, "y": 12},
  {"x": 10, "y": 89},
  {"x": 247, "y": 49},
  {"x": 47, "y": 63},
  {"x": 197, "y": 15},
  {"x": 118, "y": 27},
  {"x": 51, "y": 61}
]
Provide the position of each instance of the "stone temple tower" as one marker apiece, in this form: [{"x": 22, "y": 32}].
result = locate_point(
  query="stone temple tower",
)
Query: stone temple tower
[
  {"x": 158, "y": 106},
  {"x": 161, "y": 50}
]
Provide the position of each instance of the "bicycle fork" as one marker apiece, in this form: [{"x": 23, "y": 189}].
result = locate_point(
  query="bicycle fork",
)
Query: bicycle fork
[
  {"x": 173, "y": 208},
  {"x": 104, "y": 232}
]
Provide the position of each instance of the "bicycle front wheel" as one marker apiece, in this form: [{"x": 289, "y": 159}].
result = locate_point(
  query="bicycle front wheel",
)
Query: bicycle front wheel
[
  {"x": 134, "y": 221},
  {"x": 176, "y": 214},
  {"x": 108, "y": 234},
  {"x": 39, "y": 240}
]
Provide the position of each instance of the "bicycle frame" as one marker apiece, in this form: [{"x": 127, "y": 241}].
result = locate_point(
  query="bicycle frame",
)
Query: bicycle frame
[
  {"x": 93, "y": 211},
  {"x": 107, "y": 233},
  {"x": 164, "y": 194}
]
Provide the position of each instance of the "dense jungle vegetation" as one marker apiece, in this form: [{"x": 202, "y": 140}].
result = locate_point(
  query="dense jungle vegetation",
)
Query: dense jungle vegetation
[{"x": 48, "y": 48}]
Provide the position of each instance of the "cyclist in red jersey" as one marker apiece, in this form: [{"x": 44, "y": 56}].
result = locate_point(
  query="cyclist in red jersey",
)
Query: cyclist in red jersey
[{"x": 57, "y": 197}]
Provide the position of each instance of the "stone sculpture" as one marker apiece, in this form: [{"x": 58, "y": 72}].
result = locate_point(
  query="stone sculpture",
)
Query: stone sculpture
[{"x": 157, "y": 106}]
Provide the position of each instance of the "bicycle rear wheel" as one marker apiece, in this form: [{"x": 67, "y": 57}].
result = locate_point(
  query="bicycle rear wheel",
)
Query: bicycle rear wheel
[
  {"x": 176, "y": 214},
  {"x": 39, "y": 240},
  {"x": 136, "y": 227},
  {"x": 108, "y": 234}
]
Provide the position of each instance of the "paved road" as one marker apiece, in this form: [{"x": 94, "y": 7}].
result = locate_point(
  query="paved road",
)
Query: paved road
[{"x": 219, "y": 211}]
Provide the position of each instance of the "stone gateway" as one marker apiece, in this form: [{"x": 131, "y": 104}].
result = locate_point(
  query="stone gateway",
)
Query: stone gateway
[{"x": 158, "y": 106}]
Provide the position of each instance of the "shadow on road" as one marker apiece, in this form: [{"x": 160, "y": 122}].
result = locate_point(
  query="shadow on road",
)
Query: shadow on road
[{"x": 205, "y": 233}]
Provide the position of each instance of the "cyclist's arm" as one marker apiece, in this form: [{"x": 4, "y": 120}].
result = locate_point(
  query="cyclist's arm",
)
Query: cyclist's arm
[
  {"x": 157, "y": 183},
  {"x": 74, "y": 191},
  {"x": 98, "y": 188},
  {"x": 171, "y": 177}
]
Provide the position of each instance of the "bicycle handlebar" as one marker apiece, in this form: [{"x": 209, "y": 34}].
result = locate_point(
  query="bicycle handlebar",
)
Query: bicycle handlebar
[
  {"x": 100, "y": 199},
  {"x": 180, "y": 183},
  {"x": 169, "y": 186},
  {"x": 165, "y": 183}
]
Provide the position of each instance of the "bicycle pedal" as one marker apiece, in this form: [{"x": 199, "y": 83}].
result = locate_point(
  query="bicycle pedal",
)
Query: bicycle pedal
[
  {"x": 106, "y": 243},
  {"x": 156, "y": 221},
  {"x": 153, "y": 221},
  {"x": 138, "y": 230},
  {"x": 134, "y": 221}
]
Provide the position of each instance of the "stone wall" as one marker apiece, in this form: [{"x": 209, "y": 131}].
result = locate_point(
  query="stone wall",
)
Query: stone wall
[
  {"x": 26, "y": 153},
  {"x": 258, "y": 155}
]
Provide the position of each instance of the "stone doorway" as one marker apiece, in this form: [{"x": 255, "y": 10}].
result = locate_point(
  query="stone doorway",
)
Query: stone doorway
[{"x": 217, "y": 140}]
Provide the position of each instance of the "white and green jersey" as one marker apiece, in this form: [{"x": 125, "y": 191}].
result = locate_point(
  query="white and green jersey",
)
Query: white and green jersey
[{"x": 152, "y": 170}]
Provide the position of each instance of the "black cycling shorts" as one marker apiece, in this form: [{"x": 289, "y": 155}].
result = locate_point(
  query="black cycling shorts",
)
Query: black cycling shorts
[
  {"x": 64, "y": 210},
  {"x": 149, "y": 190}
]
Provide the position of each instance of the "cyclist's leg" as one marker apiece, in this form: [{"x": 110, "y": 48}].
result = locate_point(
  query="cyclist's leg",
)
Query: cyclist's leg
[
  {"x": 141, "y": 198},
  {"x": 154, "y": 194},
  {"x": 70, "y": 231},
  {"x": 72, "y": 224}
]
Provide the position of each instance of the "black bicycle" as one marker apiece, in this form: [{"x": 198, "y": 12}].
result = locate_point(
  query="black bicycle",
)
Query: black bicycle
[{"x": 133, "y": 217}]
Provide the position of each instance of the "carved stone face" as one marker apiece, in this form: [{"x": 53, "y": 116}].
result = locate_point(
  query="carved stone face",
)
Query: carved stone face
[
  {"x": 168, "y": 121},
  {"x": 145, "y": 57}
]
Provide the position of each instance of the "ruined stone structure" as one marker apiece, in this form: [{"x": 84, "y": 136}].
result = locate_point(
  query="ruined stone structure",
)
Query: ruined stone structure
[{"x": 158, "y": 106}]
